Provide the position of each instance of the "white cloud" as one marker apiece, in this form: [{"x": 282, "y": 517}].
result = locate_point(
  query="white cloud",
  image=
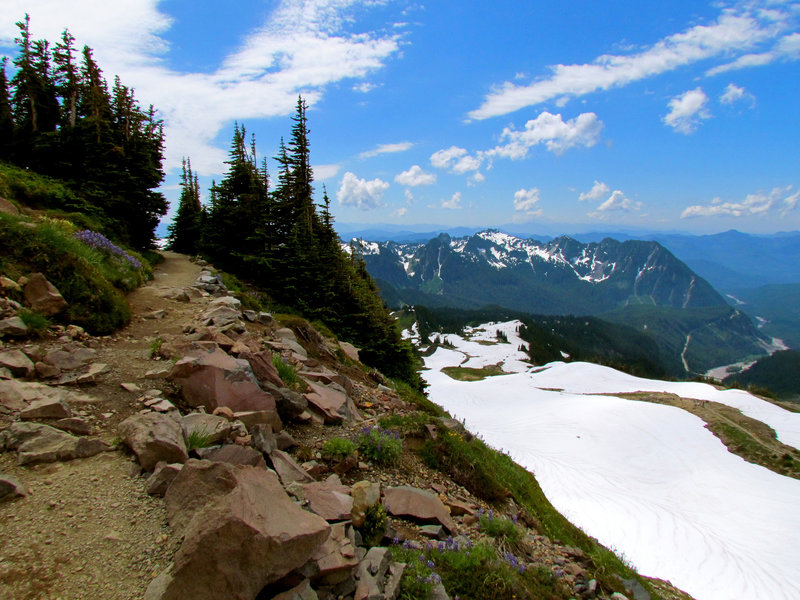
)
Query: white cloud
[
  {"x": 759, "y": 203},
  {"x": 526, "y": 200},
  {"x": 687, "y": 110},
  {"x": 453, "y": 203},
  {"x": 476, "y": 178},
  {"x": 387, "y": 149},
  {"x": 787, "y": 48},
  {"x": 302, "y": 47},
  {"x": 557, "y": 135},
  {"x": 617, "y": 201},
  {"x": 400, "y": 212},
  {"x": 734, "y": 93},
  {"x": 365, "y": 87},
  {"x": 409, "y": 197},
  {"x": 736, "y": 30},
  {"x": 323, "y": 172},
  {"x": 599, "y": 189},
  {"x": 456, "y": 160},
  {"x": 361, "y": 193},
  {"x": 415, "y": 176}
]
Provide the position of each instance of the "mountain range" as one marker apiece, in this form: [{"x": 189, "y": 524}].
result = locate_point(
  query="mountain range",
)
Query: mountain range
[{"x": 633, "y": 282}]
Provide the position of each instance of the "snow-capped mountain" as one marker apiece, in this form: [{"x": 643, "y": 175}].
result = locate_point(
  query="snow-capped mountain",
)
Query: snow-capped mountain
[{"x": 558, "y": 277}]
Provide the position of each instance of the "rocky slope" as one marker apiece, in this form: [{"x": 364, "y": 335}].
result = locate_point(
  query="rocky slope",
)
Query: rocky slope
[{"x": 172, "y": 460}]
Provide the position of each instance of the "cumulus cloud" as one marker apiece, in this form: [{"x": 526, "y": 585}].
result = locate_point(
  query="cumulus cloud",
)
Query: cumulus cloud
[
  {"x": 323, "y": 172},
  {"x": 735, "y": 31},
  {"x": 526, "y": 200},
  {"x": 361, "y": 193},
  {"x": 415, "y": 176},
  {"x": 616, "y": 202},
  {"x": 687, "y": 110},
  {"x": 456, "y": 160},
  {"x": 400, "y": 212},
  {"x": 599, "y": 189},
  {"x": 302, "y": 46},
  {"x": 760, "y": 203},
  {"x": 557, "y": 135},
  {"x": 476, "y": 178},
  {"x": 734, "y": 94},
  {"x": 387, "y": 149},
  {"x": 453, "y": 203}
]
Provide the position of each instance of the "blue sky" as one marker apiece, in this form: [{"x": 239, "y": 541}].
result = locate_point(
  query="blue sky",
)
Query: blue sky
[{"x": 548, "y": 117}]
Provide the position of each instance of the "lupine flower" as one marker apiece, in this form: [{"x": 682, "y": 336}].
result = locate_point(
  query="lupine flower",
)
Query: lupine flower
[{"x": 100, "y": 242}]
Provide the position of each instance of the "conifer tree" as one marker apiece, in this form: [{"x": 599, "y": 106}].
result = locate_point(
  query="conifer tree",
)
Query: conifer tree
[
  {"x": 184, "y": 231},
  {"x": 6, "y": 119}
]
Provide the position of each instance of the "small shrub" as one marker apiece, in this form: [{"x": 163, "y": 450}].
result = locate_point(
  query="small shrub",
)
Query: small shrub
[
  {"x": 338, "y": 448},
  {"x": 155, "y": 347},
  {"x": 374, "y": 527},
  {"x": 37, "y": 323},
  {"x": 411, "y": 424},
  {"x": 382, "y": 446}
]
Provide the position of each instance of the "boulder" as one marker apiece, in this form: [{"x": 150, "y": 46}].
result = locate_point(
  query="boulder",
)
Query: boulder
[
  {"x": 251, "y": 418},
  {"x": 17, "y": 362},
  {"x": 214, "y": 379},
  {"x": 8, "y": 285},
  {"x": 263, "y": 369},
  {"x": 154, "y": 437},
  {"x": 329, "y": 499},
  {"x": 13, "y": 326},
  {"x": 211, "y": 427},
  {"x": 365, "y": 494},
  {"x": 42, "y": 296},
  {"x": 284, "y": 441},
  {"x": 16, "y": 395},
  {"x": 349, "y": 350},
  {"x": 46, "y": 408},
  {"x": 37, "y": 443},
  {"x": 333, "y": 405},
  {"x": 289, "y": 403},
  {"x": 301, "y": 591},
  {"x": 420, "y": 505},
  {"x": 69, "y": 358},
  {"x": 74, "y": 425},
  {"x": 334, "y": 561},
  {"x": 262, "y": 439},
  {"x": 163, "y": 475},
  {"x": 240, "y": 533}
]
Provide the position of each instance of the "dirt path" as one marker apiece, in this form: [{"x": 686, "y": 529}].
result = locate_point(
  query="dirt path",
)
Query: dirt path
[{"x": 88, "y": 529}]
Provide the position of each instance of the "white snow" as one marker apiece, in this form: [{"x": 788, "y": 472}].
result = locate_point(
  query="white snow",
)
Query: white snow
[{"x": 648, "y": 480}]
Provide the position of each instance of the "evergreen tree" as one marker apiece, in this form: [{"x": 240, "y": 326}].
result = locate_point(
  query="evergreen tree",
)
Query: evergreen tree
[
  {"x": 6, "y": 119},
  {"x": 184, "y": 231}
]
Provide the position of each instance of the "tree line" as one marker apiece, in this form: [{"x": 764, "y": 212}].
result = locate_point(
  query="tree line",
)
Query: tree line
[
  {"x": 59, "y": 117},
  {"x": 281, "y": 240}
]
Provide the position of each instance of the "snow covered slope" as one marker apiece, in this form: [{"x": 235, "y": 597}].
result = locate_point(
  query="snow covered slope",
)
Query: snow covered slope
[{"x": 647, "y": 480}]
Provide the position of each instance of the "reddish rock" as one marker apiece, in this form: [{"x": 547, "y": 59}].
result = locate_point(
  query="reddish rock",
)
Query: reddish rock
[
  {"x": 42, "y": 296},
  {"x": 215, "y": 429},
  {"x": 420, "y": 505},
  {"x": 215, "y": 379},
  {"x": 334, "y": 561},
  {"x": 47, "y": 408},
  {"x": 17, "y": 362},
  {"x": 329, "y": 499},
  {"x": 154, "y": 437},
  {"x": 235, "y": 454},
  {"x": 163, "y": 475},
  {"x": 365, "y": 494},
  {"x": 288, "y": 469},
  {"x": 349, "y": 350},
  {"x": 263, "y": 369},
  {"x": 240, "y": 533},
  {"x": 334, "y": 406}
]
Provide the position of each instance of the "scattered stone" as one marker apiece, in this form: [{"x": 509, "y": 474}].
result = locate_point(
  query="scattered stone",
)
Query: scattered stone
[
  {"x": 42, "y": 296},
  {"x": 154, "y": 437},
  {"x": 288, "y": 470},
  {"x": 9, "y": 285},
  {"x": 69, "y": 360},
  {"x": 263, "y": 369},
  {"x": 329, "y": 499},
  {"x": 13, "y": 326},
  {"x": 157, "y": 373},
  {"x": 391, "y": 589},
  {"x": 163, "y": 406},
  {"x": 17, "y": 362},
  {"x": 46, "y": 371},
  {"x": 224, "y": 411},
  {"x": 94, "y": 371},
  {"x": 302, "y": 591},
  {"x": 163, "y": 475},
  {"x": 240, "y": 532},
  {"x": 46, "y": 408},
  {"x": 421, "y": 505},
  {"x": 349, "y": 350},
  {"x": 365, "y": 494},
  {"x": 289, "y": 403},
  {"x": 38, "y": 443},
  {"x": 11, "y": 488},
  {"x": 262, "y": 439},
  {"x": 74, "y": 425},
  {"x": 333, "y": 405},
  {"x": 130, "y": 387},
  {"x": 333, "y": 562},
  {"x": 284, "y": 441}
]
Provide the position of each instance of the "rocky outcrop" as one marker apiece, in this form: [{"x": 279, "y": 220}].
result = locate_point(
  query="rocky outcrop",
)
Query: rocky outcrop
[
  {"x": 420, "y": 505},
  {"x": 38, "y": 443},
  {"x": 214, "y": 379},
  {"x": 240, "y": 532},
  {"x": 334, "y": 405}
]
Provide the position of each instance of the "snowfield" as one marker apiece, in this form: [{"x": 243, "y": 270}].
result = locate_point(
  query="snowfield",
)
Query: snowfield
[{"x": 647, "y": 480}]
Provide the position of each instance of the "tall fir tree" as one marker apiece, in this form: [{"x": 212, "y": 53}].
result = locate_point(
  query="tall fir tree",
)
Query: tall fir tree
[
  {"x": 6, "y": 118},
  {"x": 184, "y": 231}
]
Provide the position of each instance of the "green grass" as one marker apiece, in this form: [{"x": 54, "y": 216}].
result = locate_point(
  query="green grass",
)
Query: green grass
[
  {"x": 410, "y": 424},
  {"x": 473, "y": 374},
  {"x": 499, "y": 527},
  {"x": 155, "y": 347},
  {"x": 198, "y": 439},
  {"x": 287, "y": 372}
]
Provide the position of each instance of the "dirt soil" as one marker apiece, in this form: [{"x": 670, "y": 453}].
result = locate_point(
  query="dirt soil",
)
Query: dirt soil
[{"x": 88, "y": 529}]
